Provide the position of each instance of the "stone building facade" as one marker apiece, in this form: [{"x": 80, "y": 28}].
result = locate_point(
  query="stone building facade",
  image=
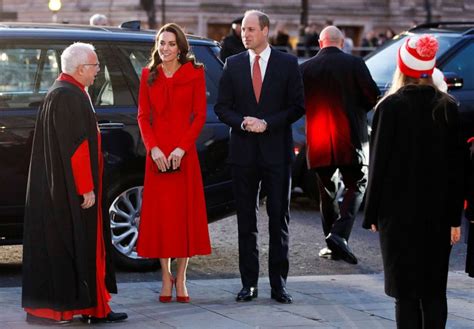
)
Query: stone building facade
[{"x": 211, "y": 17}]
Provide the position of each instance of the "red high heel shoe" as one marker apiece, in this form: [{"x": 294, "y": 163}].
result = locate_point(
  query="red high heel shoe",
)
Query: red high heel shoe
[
  {"x": 181, "y": 299},
  {"x": 167, "y": 299}
]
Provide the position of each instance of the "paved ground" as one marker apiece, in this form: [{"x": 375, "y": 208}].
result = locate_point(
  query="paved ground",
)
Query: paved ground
[
  {"x": 332, "y": 301},
  {"x": 328, "y": 294}
]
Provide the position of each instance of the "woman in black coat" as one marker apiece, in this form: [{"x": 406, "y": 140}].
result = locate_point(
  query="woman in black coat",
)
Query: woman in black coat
[
  {"x": 415, "y": 190},
  {"x": 470, "y": 211}
]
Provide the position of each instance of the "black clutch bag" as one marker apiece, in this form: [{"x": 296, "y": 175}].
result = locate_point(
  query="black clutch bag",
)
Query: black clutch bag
[{"x": 154, "y": 168}]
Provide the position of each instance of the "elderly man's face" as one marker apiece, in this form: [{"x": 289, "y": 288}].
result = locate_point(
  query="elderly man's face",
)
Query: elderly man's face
[{"x": 89, "y": 70}]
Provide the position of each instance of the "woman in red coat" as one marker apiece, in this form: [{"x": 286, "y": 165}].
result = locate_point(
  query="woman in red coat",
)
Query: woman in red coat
[{"x": 171, "y": 113}]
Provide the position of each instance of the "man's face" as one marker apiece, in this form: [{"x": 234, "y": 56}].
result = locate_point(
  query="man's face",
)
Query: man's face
[
  {"x": 253, "y": 36},
  {"x": 89, "y": 70}
]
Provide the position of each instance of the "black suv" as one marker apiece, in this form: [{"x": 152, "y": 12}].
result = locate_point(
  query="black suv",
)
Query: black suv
[{"x": 30, "y": 62}]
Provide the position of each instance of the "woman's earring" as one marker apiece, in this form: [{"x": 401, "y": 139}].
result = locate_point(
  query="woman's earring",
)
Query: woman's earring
[{"x": 179, "y": 55}]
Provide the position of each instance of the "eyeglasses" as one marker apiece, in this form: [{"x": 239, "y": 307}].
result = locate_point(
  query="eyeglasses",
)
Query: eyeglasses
[{"x": 96, "y": 64}]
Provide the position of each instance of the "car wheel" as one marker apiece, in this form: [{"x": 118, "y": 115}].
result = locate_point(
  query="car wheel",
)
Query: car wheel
[{"x": 124, "y": 207}]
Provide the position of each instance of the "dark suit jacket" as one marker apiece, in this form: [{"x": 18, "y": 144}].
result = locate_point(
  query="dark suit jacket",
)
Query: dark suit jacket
[
  {"x": 281, "y": 104},
  {"x": 339, "y": 92}
]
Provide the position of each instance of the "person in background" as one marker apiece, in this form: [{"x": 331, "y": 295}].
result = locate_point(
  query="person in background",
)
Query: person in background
[
  {"x": 311, "y": 39},
  {"x": 281, "y": 39},
  {"x": 67, "y": 250},
  {"x": 232, "y": 43},
  {"x": 469, "y": 213},
  {"x": 260, "y": 96},
  {"x": 416, "y": 186},
  {"x": 370, "y": 42},
  {"x": 98, "y": 20},
  {"x": 339, "y": 91},
  {"x": 171, "y": 114}
]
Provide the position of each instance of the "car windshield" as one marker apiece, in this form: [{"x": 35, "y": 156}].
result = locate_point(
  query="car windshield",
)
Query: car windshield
[{"x": 382, "y": 64}]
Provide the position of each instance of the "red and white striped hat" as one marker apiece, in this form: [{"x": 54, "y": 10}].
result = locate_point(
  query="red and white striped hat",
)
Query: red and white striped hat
[{"x": 417, "y": 56}]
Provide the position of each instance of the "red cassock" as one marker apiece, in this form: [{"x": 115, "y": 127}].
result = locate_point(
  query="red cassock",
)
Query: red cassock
[{"x": 171, "y": 114}]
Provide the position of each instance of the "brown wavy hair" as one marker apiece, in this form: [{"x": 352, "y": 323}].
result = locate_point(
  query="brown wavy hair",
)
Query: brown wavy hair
[{"x": 183, "y": 47}]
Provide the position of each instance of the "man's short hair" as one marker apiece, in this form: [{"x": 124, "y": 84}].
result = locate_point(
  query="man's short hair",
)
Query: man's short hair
[
  {"x": 75, "y": 55},
  {"x": 263, "y": 18},
  {"x": 98, "y": 19}
]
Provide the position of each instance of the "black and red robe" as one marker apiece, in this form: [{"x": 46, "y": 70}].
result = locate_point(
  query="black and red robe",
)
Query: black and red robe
[{"x": 67, "y": 267}]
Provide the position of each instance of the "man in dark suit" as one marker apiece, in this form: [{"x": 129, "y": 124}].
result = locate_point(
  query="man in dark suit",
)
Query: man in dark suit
[
  {"x": 260, "y": 96},
  {"x": 339, "y": 91}
]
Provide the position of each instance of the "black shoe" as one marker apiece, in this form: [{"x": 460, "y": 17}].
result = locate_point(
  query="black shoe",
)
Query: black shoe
[
  {"x": 246, "y": 294},
  {"x": 32, "y": 319},
  {"x": 110, "y": 318},
  {"x": 340, "y": 247},
  {"x": 281, "y": 296}
]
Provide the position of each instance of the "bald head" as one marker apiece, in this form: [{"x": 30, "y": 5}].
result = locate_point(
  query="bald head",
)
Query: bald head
[{"x": 331, "y": 36}]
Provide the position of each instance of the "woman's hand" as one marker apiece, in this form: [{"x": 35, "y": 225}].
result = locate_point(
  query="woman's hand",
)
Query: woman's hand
[
  {"x": 175, "y": 158},
  {"x": 159, "y": 158},
  {"x": 373, "y": 228},
  {"x": 455, "y": 235}
]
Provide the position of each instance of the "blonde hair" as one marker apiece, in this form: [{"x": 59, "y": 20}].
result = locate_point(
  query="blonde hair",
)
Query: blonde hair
[{"x": 401, "y": 80}]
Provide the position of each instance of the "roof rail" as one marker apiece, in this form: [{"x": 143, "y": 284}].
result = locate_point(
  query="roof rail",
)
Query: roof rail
[
  {"x": 131, "y": 25},
  {"x": 440, "y": 24}
]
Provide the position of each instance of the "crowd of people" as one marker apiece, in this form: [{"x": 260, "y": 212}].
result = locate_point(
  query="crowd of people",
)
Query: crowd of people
[
  {"x": 306, "y": 44},
  {"x": 414, "y": 177}
]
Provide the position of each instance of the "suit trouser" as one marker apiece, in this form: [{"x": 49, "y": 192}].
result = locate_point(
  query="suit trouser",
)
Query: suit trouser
[
  {"x": 340, "y": 219},
  {"x": 423, "y": 313},
  {"x": 275, "y": 181}
]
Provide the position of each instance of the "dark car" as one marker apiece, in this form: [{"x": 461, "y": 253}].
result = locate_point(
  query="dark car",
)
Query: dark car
[
  {"x": 455, "y": 58},
  {"x": 30, "y": 62}
]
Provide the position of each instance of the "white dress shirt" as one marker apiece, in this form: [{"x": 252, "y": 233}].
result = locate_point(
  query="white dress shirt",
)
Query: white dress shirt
[{"x": 264, "y": 57}]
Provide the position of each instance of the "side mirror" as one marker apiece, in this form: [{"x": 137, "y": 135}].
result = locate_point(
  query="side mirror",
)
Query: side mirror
[{"x": 453, "y": 80}]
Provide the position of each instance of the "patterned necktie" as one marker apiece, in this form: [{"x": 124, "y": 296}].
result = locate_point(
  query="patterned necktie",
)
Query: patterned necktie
[{"x": 257, "y": 78}]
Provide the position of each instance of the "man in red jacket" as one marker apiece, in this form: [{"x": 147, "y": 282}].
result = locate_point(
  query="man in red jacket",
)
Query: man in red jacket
[{"x": 67, "y": 267}]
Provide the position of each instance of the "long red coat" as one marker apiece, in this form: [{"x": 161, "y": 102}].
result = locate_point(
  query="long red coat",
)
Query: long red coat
[{"x": 171, "y": 113}]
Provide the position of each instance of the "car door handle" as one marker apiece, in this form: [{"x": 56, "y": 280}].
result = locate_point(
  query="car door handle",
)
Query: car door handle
[{"x": 111, "y": 125}]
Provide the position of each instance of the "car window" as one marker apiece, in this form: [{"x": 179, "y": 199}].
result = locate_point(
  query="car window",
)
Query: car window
[
  {"x": 27, "y": 74},
  {"x": 382, "y": 63},
  {"x": 213, "y": 67},
  {"x": 110, "y": 88},
  {"x": 462, "y": 64},
  {"x": 29, "y": 70}
]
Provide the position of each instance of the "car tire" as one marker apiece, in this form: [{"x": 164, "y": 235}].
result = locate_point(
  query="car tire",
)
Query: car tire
[{"x": 122, "y": 208}]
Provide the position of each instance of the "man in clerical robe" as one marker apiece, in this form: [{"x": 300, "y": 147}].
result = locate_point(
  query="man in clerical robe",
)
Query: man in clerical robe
[{"x": 67, "y": 267}]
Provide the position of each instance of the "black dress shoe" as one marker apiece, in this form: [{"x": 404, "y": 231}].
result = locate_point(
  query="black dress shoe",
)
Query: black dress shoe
[
  {"x": 246, "y": 294},
  {"x": 340, "y": 247},
  {"x": 281, "y": 296},
  {"x": 110, "y": 318},
  {"x": 32, "y": 319}
]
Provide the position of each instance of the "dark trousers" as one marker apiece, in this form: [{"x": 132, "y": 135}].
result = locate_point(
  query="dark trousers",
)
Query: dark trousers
[
  {"x": 424, "y": 313},
  {"x": 275, "y": 181},
  {"x": 340, "y": 219}
]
